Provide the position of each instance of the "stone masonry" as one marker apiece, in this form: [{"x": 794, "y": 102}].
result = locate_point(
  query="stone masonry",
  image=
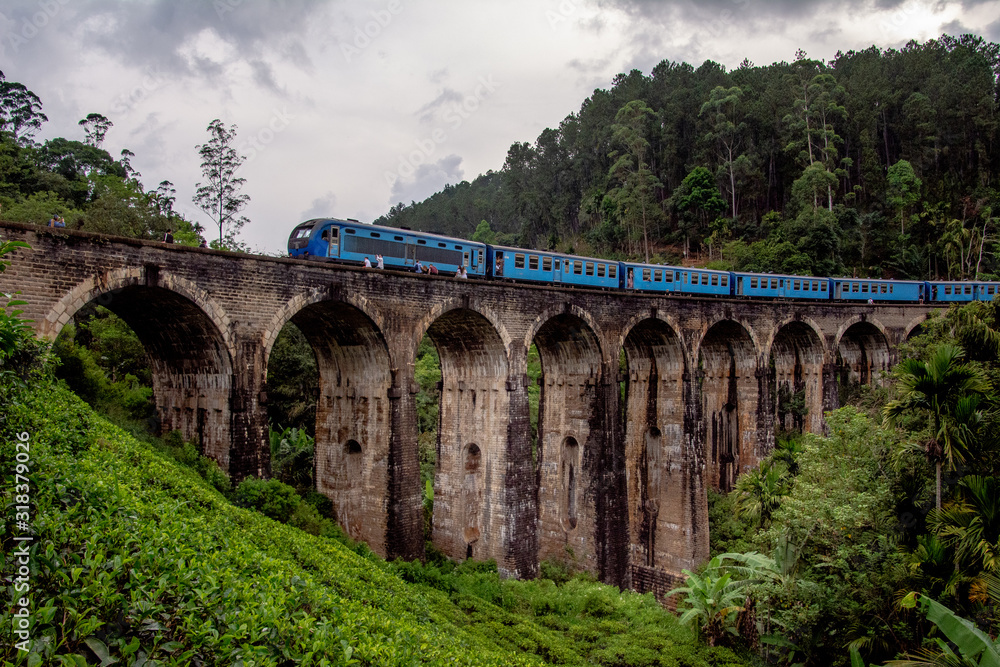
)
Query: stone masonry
[{"x": 646, "y": 401}]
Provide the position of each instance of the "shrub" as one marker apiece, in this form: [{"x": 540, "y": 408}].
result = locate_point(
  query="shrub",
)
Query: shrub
[{"x": 269, "y": 497}]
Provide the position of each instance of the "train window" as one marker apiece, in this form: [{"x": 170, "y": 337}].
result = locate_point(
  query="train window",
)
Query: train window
[
  {"x": 600, "y": 270},
  {"x": 796, "y": 285},
  {"x": 657, "y": 276},
  {"x": 420, "y": 241},
  {"x": 349, "y": 231},
  {"x": 715, "y": 279},
  {"x": 546, "y": 263},
  {"x": 725, "y": 281},
  {"x": 590, "y": 268},
  {"x": 577, "y": 268},
  {"x": 864, "y": 288},
  {"x": 822, "y": 287},
  {"x": 533, "y": 263},
  {"x": 518, "y": 261},
  {"x": 458, "y": 247},
  {"x": 376, "y": 235},
  {"x": 480, "y": 258},
  {"x": 989, "y": 289},
  {"x": 854, "y": 287},
  {"x": 968, "y": 289},
  {"x": 753, "y": 283},
  {"x": 890, "y": 288},
  {"x": 465, "y": 259},
  {"x": 612, "y": 270},
  {"x": 440, "y": 245},
  {"x": 685, "y": 278},
  {"x": 704, "y": 279},
  {"x": 646, "y": 273},
  {"x": 885, "y": 288},
  {"x": 302, "y": 233},
  {"x": 947, "y": 289},
  {"x": 398, "y": 238},
  {"x": 668, "y": 276},
  {"x": 774, "y": 283},
  {"x": 556, "y": 265}
]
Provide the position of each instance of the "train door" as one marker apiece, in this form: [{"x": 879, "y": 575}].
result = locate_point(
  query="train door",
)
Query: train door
[
  {"x": 838, "y": 287},
  {"x": 411, "y": 254},
  {"x": 331, "y": 236},
  {"x": 556, "y": 270},
  {"x": 739, "y": 286}
]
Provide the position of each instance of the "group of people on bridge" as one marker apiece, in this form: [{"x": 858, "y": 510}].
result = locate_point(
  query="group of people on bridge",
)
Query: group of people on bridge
[{"x": 417, "y": 268}]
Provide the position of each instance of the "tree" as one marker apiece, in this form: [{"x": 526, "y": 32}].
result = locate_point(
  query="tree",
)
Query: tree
[
  {"x": 20, "y": 111},
  {"x": 220, "y": 197},
  {"x": 636, "y": 197},
  {"x": 936, "y": 388},
  {"x": 697, "y": 201},
  {"x": 903, "y": 188},
  {"x": 95, "y": 127},
  {"x": 728, "y": 133}
]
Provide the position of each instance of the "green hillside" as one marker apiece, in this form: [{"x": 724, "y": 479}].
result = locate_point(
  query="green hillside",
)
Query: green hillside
[{"x": 137, "y": 559}]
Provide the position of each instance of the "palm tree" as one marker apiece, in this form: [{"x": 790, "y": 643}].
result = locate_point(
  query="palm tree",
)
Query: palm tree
[
  {"x": 939, "y": 388},
  {"x": 971, "y": 524},
  {"x": 759, "y": 492}
]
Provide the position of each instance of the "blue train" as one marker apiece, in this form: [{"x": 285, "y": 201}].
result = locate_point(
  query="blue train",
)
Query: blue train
[{"x": 350, "y": 242}]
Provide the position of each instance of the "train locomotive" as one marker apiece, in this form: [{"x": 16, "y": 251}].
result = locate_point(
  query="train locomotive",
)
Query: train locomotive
[{"x": 350, "y": 242}]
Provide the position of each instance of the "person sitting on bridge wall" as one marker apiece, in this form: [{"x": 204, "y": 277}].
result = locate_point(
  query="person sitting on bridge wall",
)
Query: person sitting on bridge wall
[
  {"x": 431, "y": 269},
  {"x": 368, "y": 263},
  {"x": 418, "y": 267}
]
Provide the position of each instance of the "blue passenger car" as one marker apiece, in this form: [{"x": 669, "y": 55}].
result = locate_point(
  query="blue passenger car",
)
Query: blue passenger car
[
  {"x": 650, "y": 277},
  {"x": 550, "y": 267},
  {"x": 350, "y": 241},
  {"x": 767, "y": 285},
  {"x": 961, "y": 291},
  {"x": 863, "y": 289},
  {"x": 702, "y": 281}
]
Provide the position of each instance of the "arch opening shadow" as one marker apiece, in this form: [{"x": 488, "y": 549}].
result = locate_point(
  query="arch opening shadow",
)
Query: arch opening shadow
[
  {"x": 796, "y": 379},
  {"x": 192, "y": 371},
  {"x": 730, "y": 397},
  {"x": 862, "y": 358}
]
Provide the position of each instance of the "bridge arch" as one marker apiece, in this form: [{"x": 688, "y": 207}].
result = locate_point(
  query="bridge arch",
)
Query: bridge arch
[
  {"x": 914, "y": 326},
  {"x": 731, "y": 392},
  {"x": 664, "y": 494},
  {"x": 862, "y": 352},
  {"x": 570, "y": 438},
  {"x": 796, "y": 356},
  {"x": 352, "y": 411},
  {"x": 187, "y": 339},
  {"x": 471, "y": 450}
]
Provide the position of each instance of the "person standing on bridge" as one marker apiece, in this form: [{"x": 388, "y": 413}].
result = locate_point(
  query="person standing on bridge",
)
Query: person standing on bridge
[
  {"x": 379, "y": 262},
  {"x": 418, "y": 267},
  {"x": 168, "y": 237},
  {"x": 368, "y": 263}
]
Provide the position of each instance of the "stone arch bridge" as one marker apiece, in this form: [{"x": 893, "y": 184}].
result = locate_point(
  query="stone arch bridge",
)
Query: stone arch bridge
[{"x": 616, "y": 480}]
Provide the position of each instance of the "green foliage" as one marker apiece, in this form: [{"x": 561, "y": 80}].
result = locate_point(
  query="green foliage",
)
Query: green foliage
[
  {"x": 269, "y": 497},
  {"x": 292, "y": 457}
]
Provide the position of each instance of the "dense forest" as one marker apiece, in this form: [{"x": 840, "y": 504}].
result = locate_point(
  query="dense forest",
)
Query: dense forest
[{"x": 878, "y": 163}]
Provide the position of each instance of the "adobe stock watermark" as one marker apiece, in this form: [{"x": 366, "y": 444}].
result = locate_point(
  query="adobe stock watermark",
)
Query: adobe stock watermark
[
  {"x": 455, "y": 115},
  {"x": 365, "y": 34},
  {"x": 21, "y": 554},
  {"x": 127, "y": 101},
  {"x": 561, "y": 14},
  {"x": 258, "y": 143},
  {"x": 32, "y": 25},
  {"x": 898, "y": 21}
]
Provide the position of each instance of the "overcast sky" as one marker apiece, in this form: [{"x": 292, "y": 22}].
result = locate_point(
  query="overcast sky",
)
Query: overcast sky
[{"x": 346, "y": 108}]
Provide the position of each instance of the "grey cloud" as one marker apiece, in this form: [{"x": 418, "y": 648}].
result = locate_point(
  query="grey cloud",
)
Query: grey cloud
[
  {"x": 321, "y": 207},
  {"x": 992, "y": 31},
  {"x": 448, "y": 95},
  {"x": 427, "y": 179},
  {"x": 148, "y": 33}
]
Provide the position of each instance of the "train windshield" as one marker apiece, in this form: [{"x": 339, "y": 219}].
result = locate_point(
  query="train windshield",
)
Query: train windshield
[{"x": 302, "y": 232}]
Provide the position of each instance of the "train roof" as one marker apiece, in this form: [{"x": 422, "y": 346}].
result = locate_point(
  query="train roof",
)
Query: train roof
[{"x": 384, "y": 228}]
